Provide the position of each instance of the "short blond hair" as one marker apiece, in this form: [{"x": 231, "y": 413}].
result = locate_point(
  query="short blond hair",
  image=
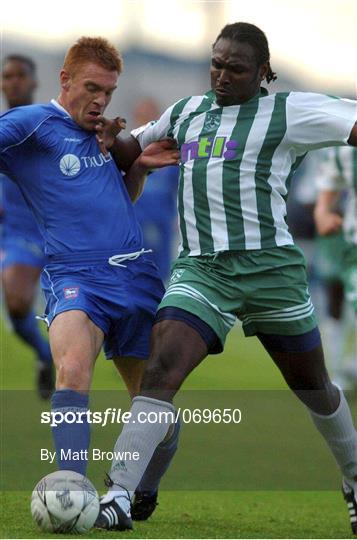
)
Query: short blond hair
[{"x": 93, "y": 49}]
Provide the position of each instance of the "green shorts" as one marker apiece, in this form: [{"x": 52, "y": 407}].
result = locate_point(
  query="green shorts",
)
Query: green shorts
[
  {"x": 349, "y": 275},
  {"x": 266, "y": 289}
]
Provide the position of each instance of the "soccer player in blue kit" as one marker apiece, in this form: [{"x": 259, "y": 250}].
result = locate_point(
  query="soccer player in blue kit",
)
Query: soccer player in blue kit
[
  {"x": 100, "y": 285},
  {"x": 22, "y": 244}
]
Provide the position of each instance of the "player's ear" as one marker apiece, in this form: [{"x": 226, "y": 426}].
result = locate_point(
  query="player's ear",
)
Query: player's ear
[{"x": 65, "y": 79}]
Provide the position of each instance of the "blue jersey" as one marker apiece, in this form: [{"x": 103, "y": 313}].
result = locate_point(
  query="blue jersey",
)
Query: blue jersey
[
  {"x": 156, "y": 211},
  {"x": 77, "y": 194},
  {"x": 18, "y": 220},
  {"x": 158, "y": 200}
]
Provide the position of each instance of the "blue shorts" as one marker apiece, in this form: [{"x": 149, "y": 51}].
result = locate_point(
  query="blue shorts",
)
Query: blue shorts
[
  {"x": 17, "y": 250},
  {"x": 121, "y": 301}
]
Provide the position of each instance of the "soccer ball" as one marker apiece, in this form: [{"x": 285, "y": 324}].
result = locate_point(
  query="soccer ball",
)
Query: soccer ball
[{"x": 63, "y": 502}]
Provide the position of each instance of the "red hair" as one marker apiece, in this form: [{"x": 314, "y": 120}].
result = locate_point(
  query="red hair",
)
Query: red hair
[{"x": 97, "y": 50}]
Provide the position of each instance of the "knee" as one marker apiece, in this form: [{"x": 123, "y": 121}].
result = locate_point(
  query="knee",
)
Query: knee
[
  {"x": 73, "y": 375},
  {"x": 164, "y": 370},
  {"x": 18, "y": 306}
]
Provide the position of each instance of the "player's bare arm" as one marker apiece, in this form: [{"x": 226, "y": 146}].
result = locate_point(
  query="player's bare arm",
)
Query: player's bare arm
[
  {"x": 156, "y": 155},
  {"x": 124, "y": 151},
  {"x": 353, "y": 136},
  {"x": 327, "y": 221},
  {"x": 107, "y": 131}
]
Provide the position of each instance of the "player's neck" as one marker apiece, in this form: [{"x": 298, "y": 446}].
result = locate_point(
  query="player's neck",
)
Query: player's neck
[{"x": 61, "y": 101}]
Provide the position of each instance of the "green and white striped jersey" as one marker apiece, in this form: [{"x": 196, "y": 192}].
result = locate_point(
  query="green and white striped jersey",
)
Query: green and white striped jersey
[
  {"x": 338, "y": 172},
  {"x": 237, "y": 163}
]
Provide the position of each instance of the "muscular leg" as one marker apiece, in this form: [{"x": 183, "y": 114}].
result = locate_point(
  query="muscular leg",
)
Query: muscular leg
[
  {"x": 131, "y": 370},
  {"x": 306, "y": 375},
  {"x": 75, "y": 343},
  {"x": 176, "y": 350}
]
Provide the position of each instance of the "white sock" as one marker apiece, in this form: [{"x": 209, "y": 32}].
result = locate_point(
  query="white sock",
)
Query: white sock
[
  {"x": 142, "y": 437},
  {"x": 340, "y": 434}
]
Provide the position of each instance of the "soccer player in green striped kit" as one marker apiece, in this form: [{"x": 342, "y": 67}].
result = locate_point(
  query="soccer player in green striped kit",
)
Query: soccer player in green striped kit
[{"x": 239, "y": 149}]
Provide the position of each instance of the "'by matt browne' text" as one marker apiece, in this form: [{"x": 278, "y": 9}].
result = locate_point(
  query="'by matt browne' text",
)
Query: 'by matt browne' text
[{"x": 96, "y": 454}]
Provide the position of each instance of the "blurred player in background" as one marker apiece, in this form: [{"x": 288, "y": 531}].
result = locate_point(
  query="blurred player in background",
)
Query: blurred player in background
[
  {"x": 23, "y": 246},
  {"x": 338, "y": 173},
  {"x": 156, "y": 209},
  {"x": 239, "y": 149},
  {"x": 325, "y": 274}
]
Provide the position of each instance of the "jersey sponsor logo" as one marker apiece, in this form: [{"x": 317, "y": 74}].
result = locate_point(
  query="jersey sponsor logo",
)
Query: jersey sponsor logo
[
  {"x": 70, "y": 292},
  {"x": 70, "y": 165},
  {"x": 96, "y": 161},
  {"x": 209, "y": 147}
]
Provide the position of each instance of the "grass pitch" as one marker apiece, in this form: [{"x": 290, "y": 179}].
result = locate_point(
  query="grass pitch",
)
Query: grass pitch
[{"x": 197, "y": 513}]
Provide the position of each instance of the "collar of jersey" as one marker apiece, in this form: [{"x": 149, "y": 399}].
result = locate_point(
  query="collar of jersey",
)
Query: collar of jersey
[
  {"x": 55, "y": 103},
  {"x": 262, "y": 93}
]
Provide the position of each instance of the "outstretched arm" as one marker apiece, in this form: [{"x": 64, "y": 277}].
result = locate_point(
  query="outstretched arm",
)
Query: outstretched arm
[
  {"x": 156, "y": 155},
  {"x": 353, "y": 136}
]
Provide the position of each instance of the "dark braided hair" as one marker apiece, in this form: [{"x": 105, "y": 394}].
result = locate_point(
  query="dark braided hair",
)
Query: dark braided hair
[{"x": 249, "y": 33}]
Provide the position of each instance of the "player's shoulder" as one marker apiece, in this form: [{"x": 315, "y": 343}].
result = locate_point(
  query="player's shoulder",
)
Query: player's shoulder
[
  {"x": 312, "y": 99},
  {"x": 30, "y": 116},
  {"x": 190, "y": 104}
]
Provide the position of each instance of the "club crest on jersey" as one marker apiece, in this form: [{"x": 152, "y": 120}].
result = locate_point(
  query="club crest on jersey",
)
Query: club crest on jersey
[
  {"x": 70, "y": 292},
  {"x": 212, "y": 121},
  {"x": 209, "y": 147},
  {"x": 176, "y": 274}
]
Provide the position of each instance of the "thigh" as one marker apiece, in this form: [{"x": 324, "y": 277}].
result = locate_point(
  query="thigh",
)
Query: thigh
[
  {"x": 75, "y": 344},
  {"x": 303, "y": 370},
  {"x": 20, "y": 284},
  {"x": 176, "y": 349},
  {"x": 131, "y": 370}
]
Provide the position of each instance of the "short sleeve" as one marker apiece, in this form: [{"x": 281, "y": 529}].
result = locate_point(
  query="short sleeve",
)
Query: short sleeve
[
  {"x": 317, "y": 121},
  {"x": 154, "y": 131}
]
